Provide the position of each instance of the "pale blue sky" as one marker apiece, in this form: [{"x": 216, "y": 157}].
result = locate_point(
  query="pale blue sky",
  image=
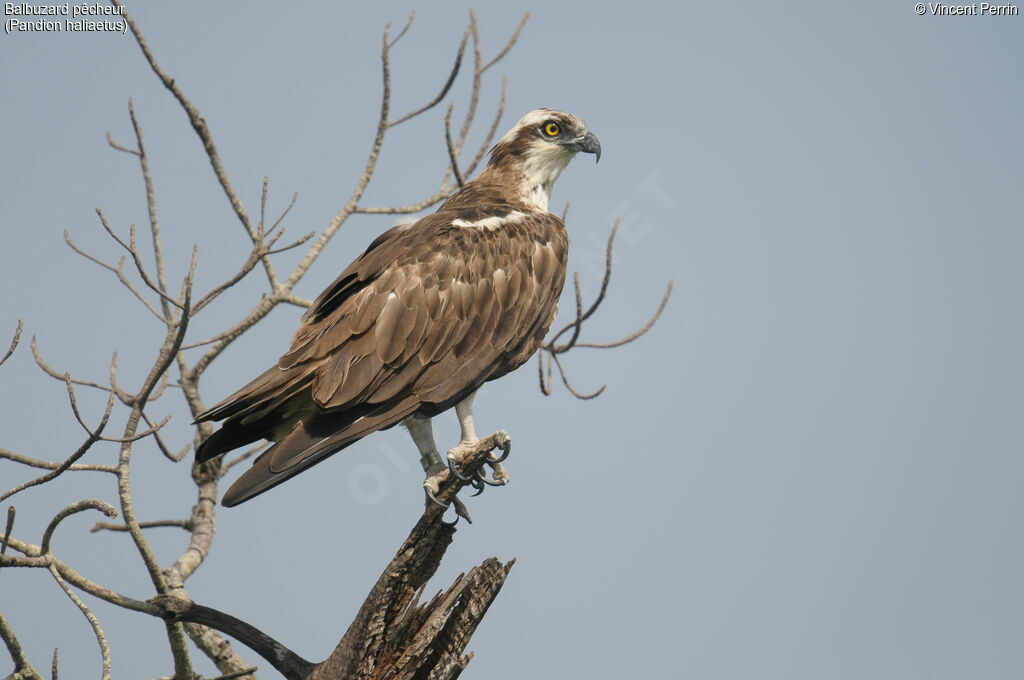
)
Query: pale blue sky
[{"x": 810, "y": 469}]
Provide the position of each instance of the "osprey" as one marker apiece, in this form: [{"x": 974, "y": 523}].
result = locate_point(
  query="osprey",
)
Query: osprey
[{"x": 416, "y": 324}]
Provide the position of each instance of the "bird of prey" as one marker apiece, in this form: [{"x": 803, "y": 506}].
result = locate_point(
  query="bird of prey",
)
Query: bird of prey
[{"x": 416, "y": 324}]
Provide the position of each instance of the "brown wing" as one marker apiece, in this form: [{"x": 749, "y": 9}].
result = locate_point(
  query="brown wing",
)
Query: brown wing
[{"x": 426, "y": 315}]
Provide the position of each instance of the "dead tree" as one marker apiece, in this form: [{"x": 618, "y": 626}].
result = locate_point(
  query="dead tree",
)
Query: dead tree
[{"x": 397, "y": 633}]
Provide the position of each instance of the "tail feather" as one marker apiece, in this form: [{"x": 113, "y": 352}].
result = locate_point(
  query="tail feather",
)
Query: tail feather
[
  {"x": 310, "y": 443},
  {"x": 231, "y": 436}
]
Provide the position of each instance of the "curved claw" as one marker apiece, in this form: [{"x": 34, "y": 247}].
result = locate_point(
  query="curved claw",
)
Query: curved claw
[
  {"x": 454, "y": 468},
  {"x": 433, "y": 498},
  {"x": 506, "y": 448},
  {"x": 477, "y": 485},
  {"x": 482, "y": 476}
]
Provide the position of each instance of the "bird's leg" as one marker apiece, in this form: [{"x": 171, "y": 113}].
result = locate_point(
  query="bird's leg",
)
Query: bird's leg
[
  {"x": 468, "y": 442},
  {"x": 422, "y": 432}
]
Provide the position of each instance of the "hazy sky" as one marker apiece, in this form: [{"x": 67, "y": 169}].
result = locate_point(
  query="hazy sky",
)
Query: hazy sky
[{"x": 810, "y": 469}]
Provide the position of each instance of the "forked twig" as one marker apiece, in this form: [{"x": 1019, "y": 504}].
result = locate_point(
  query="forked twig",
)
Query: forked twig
[
  {"x": 94, "y": 436},
  {"x": 552, "y": 349}
]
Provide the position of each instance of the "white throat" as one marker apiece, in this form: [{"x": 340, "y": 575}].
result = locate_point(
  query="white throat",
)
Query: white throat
[{"x": 542, "y": 166}]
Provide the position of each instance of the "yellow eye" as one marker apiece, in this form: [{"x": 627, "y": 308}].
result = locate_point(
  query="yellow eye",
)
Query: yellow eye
[{"x": 552, "y": 129}]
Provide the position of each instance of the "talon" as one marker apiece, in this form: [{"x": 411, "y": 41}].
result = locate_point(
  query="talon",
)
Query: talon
[
  {"x": 454, "y": 467},
  {"x": 491, "y": 482},
  {"x": 432, "y": 497},
  {"x": 506, "y": 448}
]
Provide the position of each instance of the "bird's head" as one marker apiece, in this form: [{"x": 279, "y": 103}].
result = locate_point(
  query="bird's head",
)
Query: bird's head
[{"x": 538, "y": 148}]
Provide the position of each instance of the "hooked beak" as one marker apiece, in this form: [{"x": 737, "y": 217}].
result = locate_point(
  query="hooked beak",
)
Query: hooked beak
[{"x": 590, "y": 144}]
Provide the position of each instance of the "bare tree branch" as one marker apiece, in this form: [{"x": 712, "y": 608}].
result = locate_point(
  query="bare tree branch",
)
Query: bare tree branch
[
  {"x": 34, "y": 553},
  {"x": 392, "y": 635},
  {"x": 101, "y": 638},
  {"x": 285, "y": 661},
  {"x": 197, "y": 121},
  {"x": 11, "y": 512},
  {"x": 119, "y": 272},
  {"x": 79, "y": 506},
  {"x": 23, "y": 669}
]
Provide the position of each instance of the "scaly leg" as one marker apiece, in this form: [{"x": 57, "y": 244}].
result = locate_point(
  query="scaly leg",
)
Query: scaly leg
[
  {"x": 422, "y": 432},
  {"x": 468, "y": 441}
]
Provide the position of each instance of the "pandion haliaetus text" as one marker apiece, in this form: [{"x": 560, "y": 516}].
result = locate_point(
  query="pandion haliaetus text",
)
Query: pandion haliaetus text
[{"x": 418, "y": 322}]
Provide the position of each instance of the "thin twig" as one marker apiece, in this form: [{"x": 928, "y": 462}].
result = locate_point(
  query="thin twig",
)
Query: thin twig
[
  {"x": 197, "y": 121},
  {"x": 640, "y": 331},
  {"x": 101, "y": 638},
  {"x": 11, "y": 512},
  {"x": 164, "y": 449},
  {"x": 508, "y": 45},
  {"x": 94, "y": 436},
  {"x": 132, "y": 247},
  {"x": 452, "y": 154},
  {"x": 565, "y": 381},
  {"x": 444, "y": 89},
  {"x": 237, "y": 674},
  {"x": 405, "y": 29},
  {"x": 79, "y": 581},
  {"x": 57, "y": 375},
  {"x": 119, "y": 147},
  {"x": 180, "y": 523},
  {"x": 23, "y": 669},
  {"x": 14, "y": 341},
  {"x": 74, "y": 508},
  {"x": 597, "y": 301},
  {"x": 492, "y": 132},
  {"x": 48, "y": 465},
  {"x": 154, "y": 221},
  {"x": 243, "y": 457},
  {"x": 118, "y": 271},
  {"x": 444, "y": 192}
]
